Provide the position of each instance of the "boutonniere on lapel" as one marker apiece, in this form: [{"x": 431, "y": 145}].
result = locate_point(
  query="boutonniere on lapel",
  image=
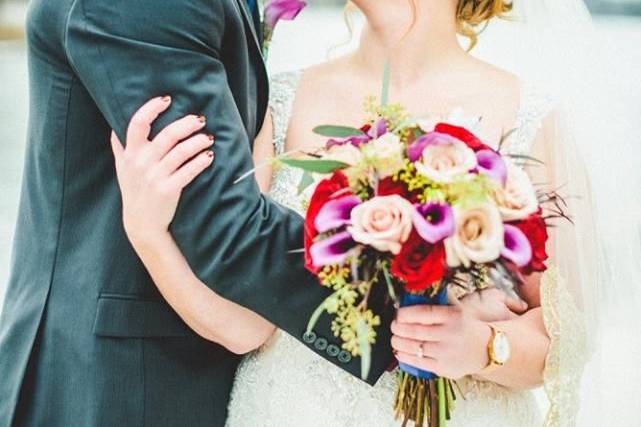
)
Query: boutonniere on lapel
[{"x": 275, "y": 11}]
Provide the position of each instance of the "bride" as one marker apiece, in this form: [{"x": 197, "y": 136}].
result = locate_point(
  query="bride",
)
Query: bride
[{"x": 283, "y": 383}]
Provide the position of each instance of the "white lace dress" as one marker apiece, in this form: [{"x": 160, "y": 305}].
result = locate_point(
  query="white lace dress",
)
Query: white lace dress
[{"x": 284, "y": 384}]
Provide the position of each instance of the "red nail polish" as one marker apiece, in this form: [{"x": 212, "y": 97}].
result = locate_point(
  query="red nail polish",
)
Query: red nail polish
[
  {"x": 210, "y": 154},
  {"x": 210, "y": 137}
]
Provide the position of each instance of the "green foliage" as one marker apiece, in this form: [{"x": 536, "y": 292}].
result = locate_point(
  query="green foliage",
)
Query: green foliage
[
  {"x": 315, "y": 165},
  {"x": 306, "y": 180},
  {"x": 331, "y": 131}
]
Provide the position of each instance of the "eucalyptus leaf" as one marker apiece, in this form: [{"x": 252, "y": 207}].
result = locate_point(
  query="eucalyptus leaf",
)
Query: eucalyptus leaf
[
  {"x": 332, "y": 131},
  {"x": 362, "y": 329},
  {"x": 318, "y": 312},
  {"x": 315, "y": 165},
  {"x": 305, "y": 182}
]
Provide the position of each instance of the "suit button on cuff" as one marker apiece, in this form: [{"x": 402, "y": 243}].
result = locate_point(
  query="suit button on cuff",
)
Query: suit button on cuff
[
  {"x": 309, "y": 337},
  {"x": 320, "y": 344},
  {"x": 333, "y": 350},
  {"x": 344, "y": 357}
]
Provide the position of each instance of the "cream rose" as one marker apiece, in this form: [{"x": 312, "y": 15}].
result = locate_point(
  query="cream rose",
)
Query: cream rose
[
  {"x": 517, "y": 200},
  {"x": 385, "y": 154},
  {"x": 384, "y": 223},
  {"x": 345, "y": 153},
  {"x": 478, "y": 237},
  {"x": 442, "y": 162}
]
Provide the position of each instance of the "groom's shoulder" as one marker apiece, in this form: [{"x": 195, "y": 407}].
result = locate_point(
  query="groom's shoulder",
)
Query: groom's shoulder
[
  {"x": 150, "y": 11},
  {"x": 151, "y": 20}
]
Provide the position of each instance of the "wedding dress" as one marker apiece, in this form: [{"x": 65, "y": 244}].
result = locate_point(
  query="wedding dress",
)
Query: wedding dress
[{"x": 284, "y": 384}]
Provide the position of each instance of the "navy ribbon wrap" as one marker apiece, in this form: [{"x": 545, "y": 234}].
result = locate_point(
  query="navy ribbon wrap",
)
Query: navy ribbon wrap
[{"x": 408, "y": 300}]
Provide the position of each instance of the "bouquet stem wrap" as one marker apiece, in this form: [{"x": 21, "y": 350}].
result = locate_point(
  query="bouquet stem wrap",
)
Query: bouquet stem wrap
[{"x": 423, "y": 397}]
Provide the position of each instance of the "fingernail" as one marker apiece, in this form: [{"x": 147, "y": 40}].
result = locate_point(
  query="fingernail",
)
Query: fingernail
[
  {"x": 166, "y": 98},
  {"x": 210, "y": 137},
  {"x": 210, "y": 154},
  {"x": 202, "y": 119}
]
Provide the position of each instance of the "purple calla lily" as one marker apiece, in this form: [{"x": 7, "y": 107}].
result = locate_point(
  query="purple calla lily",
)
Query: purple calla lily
[
  {"x": 517, "y": 246},
  {"x": 356, "y": 141},
  {"x": 335, "y": 213},
  {"x": 282, "y": 9},
  {"x": 415, "y": 151},
  {"x": 379, "y": 129},
  {"x": 434, "y": 221},
  {"x": 492, "y": 164},
  {"x": 333, "y": 250}
]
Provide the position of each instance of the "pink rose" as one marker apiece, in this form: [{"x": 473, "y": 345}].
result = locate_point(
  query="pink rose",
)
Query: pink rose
[
  {"x": 445, "y": 160},
  {"x": 478, "y": 237},
  {"x": 384, "y": 223},
  {"x": 517, "y": 200}
]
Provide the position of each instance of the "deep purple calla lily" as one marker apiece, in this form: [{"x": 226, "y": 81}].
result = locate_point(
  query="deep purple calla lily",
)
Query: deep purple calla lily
[
  {"x": 517, "y": 247},
  {"x": 282, "y": 9},
  {"x": 333, "y": 250},
  {"x": 434, "y": 221},
  {"x": 492, "y": 164},
  {"x": 335, "y": 213},
  {"x": 415, "y": 151}
]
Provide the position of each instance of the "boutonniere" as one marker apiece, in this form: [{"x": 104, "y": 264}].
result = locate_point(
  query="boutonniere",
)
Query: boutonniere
[{"x": 274, "y": 11}]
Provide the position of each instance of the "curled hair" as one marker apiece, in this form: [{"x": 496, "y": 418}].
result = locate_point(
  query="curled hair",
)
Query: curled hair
[{"x": 474, "y": 14}]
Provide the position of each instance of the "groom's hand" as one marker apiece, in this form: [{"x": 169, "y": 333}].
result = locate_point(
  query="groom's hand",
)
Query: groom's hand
[{"x": 493, "y": 305}]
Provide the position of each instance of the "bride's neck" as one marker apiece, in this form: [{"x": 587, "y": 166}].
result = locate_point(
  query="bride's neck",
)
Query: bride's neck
[{"x": 415, "y": 43}]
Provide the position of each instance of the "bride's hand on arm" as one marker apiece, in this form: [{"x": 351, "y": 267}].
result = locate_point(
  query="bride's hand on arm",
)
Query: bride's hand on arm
[
  {"x": 151, "y": 176},
  {"x": 456, "y": 339}
]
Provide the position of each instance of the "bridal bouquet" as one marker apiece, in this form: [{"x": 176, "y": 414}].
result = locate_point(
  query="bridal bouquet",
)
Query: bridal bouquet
[{"x": 413, "y": 207}]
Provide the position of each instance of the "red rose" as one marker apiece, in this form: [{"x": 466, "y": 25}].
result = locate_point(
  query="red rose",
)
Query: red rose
[
  {"x": 326, "y": 190},
  {"x": 537, "y": 233},
  {"x": 389, "y": 187},
  {"x": 462, "y": 134},
  {"x": 419, "y": 264}
]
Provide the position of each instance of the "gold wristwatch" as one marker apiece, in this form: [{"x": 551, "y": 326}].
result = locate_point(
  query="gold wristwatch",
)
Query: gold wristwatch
[{"x": 498, "y": 350}]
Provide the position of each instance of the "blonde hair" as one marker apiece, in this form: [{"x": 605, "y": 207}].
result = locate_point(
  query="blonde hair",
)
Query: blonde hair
[{"x": 474, "y": 14}]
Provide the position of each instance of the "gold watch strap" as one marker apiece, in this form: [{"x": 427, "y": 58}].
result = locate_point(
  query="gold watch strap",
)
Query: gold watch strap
[{"x": 493, "y": 364}]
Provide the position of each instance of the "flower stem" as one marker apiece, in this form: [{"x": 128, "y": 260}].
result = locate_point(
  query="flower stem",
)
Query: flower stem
[{"x": 442, "y": 400}]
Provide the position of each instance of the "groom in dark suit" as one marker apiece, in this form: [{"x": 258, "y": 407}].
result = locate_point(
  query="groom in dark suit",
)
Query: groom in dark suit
[{"x": 85, "y": 337}]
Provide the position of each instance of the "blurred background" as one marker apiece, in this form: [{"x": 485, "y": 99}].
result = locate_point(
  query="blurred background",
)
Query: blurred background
[{"x": 319, "y": 32}]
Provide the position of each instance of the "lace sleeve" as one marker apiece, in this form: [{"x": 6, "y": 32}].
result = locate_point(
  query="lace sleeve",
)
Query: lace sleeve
[
  {"x": 569, "y": 287},
  {"x": 567, "y": 355},
  {"x": 281, "y": 100},
  {"x": 542, "y": 133}
]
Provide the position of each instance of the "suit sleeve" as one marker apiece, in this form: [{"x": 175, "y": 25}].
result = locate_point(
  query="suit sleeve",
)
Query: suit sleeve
[{"x": 237, "y": 241}]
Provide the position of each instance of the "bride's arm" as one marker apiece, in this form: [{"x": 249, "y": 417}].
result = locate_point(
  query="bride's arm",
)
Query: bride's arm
[
  {"x": 209, "y": 315},
  {"x": 170, "y": 162}
]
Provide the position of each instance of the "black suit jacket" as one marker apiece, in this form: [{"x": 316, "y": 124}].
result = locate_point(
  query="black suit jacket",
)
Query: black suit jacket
[{"x": 85, "y": 338}]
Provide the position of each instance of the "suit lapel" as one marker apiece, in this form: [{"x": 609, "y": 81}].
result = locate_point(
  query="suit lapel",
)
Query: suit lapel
[{"x": 249, "y": 22}]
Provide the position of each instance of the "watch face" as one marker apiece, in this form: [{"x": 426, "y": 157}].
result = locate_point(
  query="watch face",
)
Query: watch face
[{"x": 501, "y": 348}]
